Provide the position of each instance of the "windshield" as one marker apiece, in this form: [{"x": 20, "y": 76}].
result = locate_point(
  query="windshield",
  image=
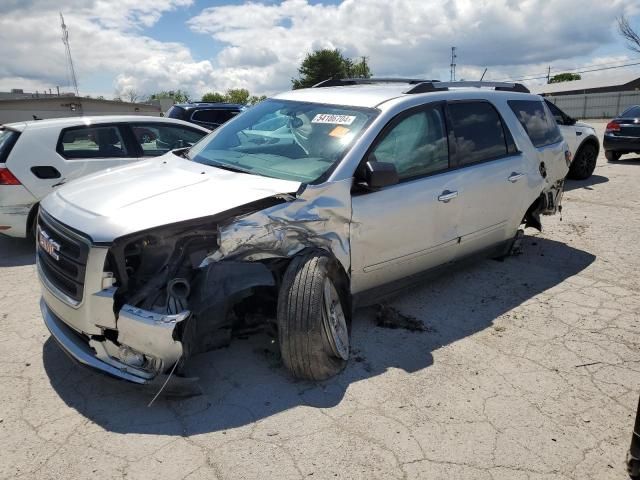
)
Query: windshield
[{"x": 284, "y": 139}]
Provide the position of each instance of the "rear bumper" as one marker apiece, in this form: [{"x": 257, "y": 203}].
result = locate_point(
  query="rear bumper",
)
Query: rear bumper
[
  {"x": 621, "y": 144},
  {"x": 15, "y": 204}
]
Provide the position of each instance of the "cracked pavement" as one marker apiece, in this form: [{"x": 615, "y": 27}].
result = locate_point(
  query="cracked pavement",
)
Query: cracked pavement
[{"x": 528, "y": 369}]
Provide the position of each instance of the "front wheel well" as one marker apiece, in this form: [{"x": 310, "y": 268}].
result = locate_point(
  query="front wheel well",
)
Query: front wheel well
[
  {"x": 32, "y": 219},
  {"x": 589, "y": 141}
]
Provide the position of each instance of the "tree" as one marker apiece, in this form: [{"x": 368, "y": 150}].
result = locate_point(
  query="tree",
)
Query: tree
[
  {"x": 359, "y": 69},
  {"x": 233, "y": 95},
  {"x": 131, "y": 95},
  {"x": 564, "y": 77},
  {"x": 629, "y": 34},
  {"x": 325, "y": 64},
  {"x": 213, "y": 97},
  {"x": 178, "y": 96},
  {"x": 237, "y": 95},
  {"x": 253, "y": 99}
]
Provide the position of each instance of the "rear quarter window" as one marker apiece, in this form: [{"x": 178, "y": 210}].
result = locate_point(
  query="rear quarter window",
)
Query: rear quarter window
[
  {"x": 537, "y": 121},
  {"x": 8, "y": 139}
]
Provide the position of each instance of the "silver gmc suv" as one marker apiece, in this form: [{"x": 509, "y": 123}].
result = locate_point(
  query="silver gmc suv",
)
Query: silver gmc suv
[{"x": 290, "y": 215}]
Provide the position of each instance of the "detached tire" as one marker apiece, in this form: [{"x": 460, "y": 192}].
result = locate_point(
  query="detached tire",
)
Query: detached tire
[
  {"x": 584, "y": 164},
  {"x": 612, "y": 156},
  {"x": 313, "y": 328}
]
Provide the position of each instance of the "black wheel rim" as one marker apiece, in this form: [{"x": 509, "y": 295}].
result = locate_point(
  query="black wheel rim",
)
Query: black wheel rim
[{"x": 586, "y": 161}]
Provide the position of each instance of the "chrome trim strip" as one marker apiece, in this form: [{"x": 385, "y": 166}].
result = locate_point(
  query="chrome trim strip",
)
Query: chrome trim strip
[{"x": 54, "y": 290}]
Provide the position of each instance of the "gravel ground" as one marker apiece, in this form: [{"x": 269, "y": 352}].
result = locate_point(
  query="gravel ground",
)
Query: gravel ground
[{"x": 527, "y": 369}]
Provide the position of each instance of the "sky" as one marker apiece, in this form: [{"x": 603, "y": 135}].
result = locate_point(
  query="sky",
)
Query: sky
[{"x": 146, "y": 46}]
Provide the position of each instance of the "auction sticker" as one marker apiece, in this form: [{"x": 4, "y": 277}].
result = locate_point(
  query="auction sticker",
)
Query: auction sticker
[{"x": 333, "y": 119}]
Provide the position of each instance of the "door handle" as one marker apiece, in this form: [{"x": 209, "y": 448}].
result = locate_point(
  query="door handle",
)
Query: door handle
[
  {"x": 514, "y": 177},
  {"x": 446, "y": 196}
]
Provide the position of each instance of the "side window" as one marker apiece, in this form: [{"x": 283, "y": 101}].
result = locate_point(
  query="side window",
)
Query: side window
[
  {"x": 535, "y": 118},
  {"x": 156, "y": 139},
  {"x": 556, "y": 112},
  {"x": 92, "y": 142},
  {"x": 416, "y": 145},
  {"x": 478, "y": 132},
  {"x": 213, "y": 116}
]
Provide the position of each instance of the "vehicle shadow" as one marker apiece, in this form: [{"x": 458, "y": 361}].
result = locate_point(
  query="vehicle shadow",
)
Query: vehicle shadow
[
  {"x": 16, "y": 252},
  {"x": 246, "y": 382},
  {"x": 586, "y": 183}
]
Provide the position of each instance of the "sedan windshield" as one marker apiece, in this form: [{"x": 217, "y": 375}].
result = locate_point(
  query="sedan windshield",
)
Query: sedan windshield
[{"x": 284, "y": 139}]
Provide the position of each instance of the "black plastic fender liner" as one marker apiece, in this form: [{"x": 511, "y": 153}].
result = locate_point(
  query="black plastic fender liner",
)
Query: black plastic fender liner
[{"x": 217, "y": 288}]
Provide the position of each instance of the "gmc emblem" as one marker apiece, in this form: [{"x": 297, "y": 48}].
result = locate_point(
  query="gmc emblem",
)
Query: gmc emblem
[{"x": 48, "y": 244}]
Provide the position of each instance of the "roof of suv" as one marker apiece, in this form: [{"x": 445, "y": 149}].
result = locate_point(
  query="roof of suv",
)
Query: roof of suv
[
  {"x": 205, "y": 105},
  {"x": 373, "y": 94}
]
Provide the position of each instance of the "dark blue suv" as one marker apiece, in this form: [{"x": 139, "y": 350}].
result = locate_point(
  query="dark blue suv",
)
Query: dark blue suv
[{"x": 208, "y": 115}]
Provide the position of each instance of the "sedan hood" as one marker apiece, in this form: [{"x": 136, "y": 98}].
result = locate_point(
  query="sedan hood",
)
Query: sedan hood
[{"x": 155, "y": 192}]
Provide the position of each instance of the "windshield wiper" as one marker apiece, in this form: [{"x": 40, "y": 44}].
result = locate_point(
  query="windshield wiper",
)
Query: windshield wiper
[{"x": 226, "y": 166}]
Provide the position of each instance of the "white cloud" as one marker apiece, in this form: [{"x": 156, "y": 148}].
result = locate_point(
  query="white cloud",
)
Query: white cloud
[
  {"x": 406, "y": 37},
  {"x": 260, "y": 45}
]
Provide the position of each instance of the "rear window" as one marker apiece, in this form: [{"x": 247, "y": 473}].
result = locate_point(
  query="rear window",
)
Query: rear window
[
  {"x": 537, "y": 121},
  {"x": 7, "y": 141},
  {"x": 214, "y": 116},
  {"x": 176, "y": 112},
  {"x": 631, "y": 112},
  {"x": 478, "y": 131}
]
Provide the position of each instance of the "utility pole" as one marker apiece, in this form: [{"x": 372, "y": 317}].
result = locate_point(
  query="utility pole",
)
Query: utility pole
[
  {"x": 65, "y": 40},
  {"x": 549, "y": 74},
  {"x": 453, "y": 64}
]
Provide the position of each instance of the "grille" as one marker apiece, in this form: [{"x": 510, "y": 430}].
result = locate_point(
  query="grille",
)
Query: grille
[{"x": 67, "y": 272}]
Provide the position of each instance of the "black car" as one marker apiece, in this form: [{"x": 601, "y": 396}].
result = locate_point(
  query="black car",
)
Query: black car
[
  {"x": 208, "y": 115},
  {"x": 622, "y": 134}
]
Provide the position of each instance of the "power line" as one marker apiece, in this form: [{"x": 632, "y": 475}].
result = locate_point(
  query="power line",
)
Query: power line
[{"x": 581, "y": 71}]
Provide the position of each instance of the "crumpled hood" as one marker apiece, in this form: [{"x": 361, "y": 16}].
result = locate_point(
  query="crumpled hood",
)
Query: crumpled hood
[{"x": 155, "y": 192}]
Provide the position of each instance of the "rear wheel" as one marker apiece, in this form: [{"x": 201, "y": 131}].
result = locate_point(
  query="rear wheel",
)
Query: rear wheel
[
  {"x": 584, "y": 164},
  {"x": 313, "y": 323},
  {"x": 612, "y": 156}
]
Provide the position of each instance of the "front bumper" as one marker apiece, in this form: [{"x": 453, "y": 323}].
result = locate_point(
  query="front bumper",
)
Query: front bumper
[
  {"x": 74, "y": 345},
  {"x": 621, "y": 144},
  {"x": 137, "y": 346}
]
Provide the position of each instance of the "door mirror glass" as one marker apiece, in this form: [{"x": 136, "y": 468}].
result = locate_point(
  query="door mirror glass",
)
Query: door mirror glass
[{"x": 380, "y": 174}]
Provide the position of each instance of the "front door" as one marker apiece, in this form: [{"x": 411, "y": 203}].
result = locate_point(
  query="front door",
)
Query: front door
[{"x": 409, "y": 227}]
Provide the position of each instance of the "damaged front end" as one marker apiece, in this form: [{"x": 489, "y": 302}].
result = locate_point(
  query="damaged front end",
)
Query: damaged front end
[{"x": 168, "y": 293}]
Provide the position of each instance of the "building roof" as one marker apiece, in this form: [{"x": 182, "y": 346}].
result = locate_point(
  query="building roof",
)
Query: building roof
[{"x": 616, "y": 80}]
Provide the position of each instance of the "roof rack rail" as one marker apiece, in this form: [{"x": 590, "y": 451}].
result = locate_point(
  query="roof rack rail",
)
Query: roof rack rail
[
  {"x": 440, "y": 86},
  {"x": 342, "y": 82}
]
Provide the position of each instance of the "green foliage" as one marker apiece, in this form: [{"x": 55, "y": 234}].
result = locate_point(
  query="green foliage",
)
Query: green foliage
[
  {"x": 213, "y": 97},
  {"x": 178, "y": 96},
  {"x": 564, "y": 77},
  {"x": 233, "y": 95},
  {"x": 324, "y": 64}
]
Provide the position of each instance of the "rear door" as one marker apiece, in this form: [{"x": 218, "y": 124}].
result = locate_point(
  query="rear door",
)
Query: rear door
[
  {"x": 76, "y": 152},
  {"x": 492, "y": 177}
]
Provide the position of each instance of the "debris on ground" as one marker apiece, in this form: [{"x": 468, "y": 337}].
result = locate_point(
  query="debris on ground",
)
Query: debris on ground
[{"x": 389, "y": 317}]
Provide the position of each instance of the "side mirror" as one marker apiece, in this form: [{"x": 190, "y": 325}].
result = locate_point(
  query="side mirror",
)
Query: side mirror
[
  {"x": 380, "y": 174},
  {"x": 570, "y": 120}
]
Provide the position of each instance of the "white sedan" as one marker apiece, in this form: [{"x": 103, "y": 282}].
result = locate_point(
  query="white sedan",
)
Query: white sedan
[{"x": 38, "y": 156}]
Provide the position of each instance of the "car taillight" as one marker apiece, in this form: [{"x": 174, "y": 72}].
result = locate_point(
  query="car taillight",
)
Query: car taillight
[
  {"x": 612, "y": 127},
  {"x": 8, "y": 178}
]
